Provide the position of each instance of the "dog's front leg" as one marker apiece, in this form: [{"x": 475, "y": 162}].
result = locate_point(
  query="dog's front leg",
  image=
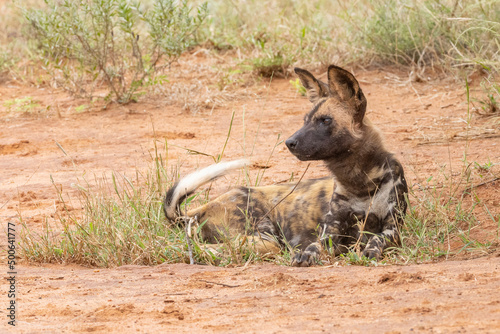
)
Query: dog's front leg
[
  {"x": 326, "y": 234},
  {"x": 336, "y": 231},
  {"x": 309, "y": 242},
  {"x": 378, "y": 242}
]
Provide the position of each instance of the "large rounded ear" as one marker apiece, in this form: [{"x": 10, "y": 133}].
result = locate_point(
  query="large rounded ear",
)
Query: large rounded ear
[
  {"x": 347, "y": 87},
  {"x": 315, "y": 89}
]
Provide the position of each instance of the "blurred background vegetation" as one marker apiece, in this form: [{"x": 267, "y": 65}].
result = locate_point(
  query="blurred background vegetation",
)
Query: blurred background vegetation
[{"x": 125, "y": 45}]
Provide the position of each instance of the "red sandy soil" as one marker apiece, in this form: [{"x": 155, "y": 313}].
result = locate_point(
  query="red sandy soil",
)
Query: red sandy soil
[{"x": 423, "y": 122}]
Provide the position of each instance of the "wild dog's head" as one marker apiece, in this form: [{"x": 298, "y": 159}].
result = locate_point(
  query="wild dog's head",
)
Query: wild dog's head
[{"x": 335, "y": 123}]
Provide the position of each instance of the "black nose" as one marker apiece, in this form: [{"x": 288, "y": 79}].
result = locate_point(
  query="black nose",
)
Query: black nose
[{"x": 291, "y": 143}]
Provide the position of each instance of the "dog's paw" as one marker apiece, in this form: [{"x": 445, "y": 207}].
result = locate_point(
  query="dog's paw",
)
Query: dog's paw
[
  {"x": 307, "y": 257},
  {"x": 372, "y": 253},
  {"x": 303, "y": 259}
]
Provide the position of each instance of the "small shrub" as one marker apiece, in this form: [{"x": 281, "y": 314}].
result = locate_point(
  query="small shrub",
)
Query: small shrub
[
  {"x": 490, "y": 104},
  {"x": 270, "y": 66},
  {"x": 86, "y": 43}
]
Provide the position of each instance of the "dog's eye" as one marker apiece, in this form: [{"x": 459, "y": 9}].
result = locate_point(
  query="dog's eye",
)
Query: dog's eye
[{"x": 326, "y": 120}]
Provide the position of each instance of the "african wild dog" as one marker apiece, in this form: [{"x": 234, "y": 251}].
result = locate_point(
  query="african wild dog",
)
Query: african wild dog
[{"x": 366, "y": 193}]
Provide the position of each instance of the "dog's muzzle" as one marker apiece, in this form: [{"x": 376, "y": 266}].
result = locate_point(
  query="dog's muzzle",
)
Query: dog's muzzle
[{"x": 291, "y": 143}]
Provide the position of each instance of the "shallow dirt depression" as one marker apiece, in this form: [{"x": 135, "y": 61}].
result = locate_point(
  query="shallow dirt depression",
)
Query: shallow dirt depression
[{"x": 423, "y": 123}]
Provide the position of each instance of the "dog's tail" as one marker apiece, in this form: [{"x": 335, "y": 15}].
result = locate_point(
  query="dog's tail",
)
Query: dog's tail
[{"x": 191, "y": 182}]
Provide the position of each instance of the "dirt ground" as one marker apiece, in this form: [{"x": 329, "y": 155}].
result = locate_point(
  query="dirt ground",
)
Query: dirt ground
[{"x": 423, "y": 123}]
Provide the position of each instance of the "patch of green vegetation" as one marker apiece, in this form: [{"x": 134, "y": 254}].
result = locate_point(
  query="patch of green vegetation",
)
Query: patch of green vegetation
[
  {"x": 81, "y": 108},
  {"x": 228, "y": 77},
  {"x": 483, "y": 169},
  {"x": 490, "y": 103},
  {"x": 353, "y": 258},
  {"x": 270, "y": 67},
  {"x": 24, "y": 105},
  {"x": 298, "y": 87}
]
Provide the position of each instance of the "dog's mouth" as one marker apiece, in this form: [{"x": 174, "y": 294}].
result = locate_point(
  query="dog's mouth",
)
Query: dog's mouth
[{"x": 302, "y": 157}]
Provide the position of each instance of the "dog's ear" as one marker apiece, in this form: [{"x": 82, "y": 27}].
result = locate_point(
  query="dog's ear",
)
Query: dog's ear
[
  {"x": 315, "y": 88},
  {"x": 347, "y": 87}
]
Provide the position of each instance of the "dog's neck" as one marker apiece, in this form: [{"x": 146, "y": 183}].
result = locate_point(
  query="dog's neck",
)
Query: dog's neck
[{"x": 359, "y": 170}]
